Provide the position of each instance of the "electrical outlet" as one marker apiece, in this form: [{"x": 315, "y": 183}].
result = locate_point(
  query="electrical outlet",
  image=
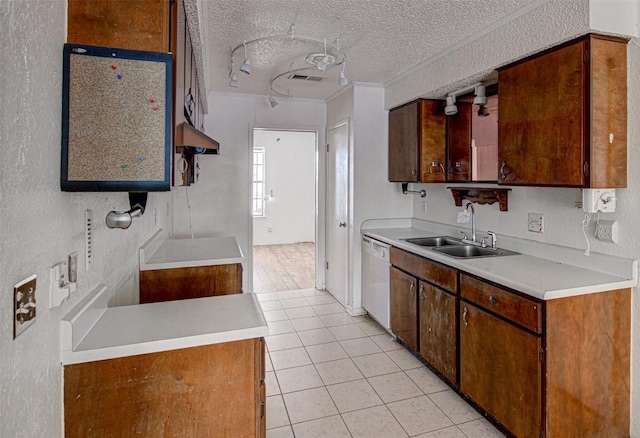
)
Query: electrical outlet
[
  {"x": 607, "y": 231},
  {"x": 24, "y": 305},
  {"x": 536, "y": 223}
]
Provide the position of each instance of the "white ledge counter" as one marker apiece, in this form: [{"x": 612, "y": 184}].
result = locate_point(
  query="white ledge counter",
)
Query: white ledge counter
[
  {"x": 540, "y": 270},
  {"x": 93, "y": 331},
  {"x": 161, "y": 253}
]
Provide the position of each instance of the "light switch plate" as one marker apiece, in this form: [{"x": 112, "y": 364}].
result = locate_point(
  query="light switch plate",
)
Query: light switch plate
[{"x": 24, "y": 305}]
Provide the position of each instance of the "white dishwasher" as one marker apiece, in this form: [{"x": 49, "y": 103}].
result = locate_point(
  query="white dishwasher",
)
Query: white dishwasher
[{"x": 375, "y": 280}]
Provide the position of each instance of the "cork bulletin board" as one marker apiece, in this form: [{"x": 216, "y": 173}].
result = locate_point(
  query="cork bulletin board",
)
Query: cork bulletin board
[{"x": 116, "y": 120}]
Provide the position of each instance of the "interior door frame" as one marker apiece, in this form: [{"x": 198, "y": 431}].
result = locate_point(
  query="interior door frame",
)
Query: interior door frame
[{"x": 320, "y": 195}]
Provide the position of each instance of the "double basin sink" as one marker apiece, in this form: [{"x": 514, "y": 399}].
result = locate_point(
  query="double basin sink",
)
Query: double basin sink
[{"x": 457, "y": 248}]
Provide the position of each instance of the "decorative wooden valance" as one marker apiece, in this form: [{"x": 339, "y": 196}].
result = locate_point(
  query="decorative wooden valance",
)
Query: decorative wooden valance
[{"x": 481, "y": 195}]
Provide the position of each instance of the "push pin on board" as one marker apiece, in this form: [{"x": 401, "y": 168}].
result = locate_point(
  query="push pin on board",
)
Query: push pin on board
[{"x": 119, "y": 76}]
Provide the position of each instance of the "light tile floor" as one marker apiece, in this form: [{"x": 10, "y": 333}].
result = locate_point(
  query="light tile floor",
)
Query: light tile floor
[{"x": 333, "y": 375}]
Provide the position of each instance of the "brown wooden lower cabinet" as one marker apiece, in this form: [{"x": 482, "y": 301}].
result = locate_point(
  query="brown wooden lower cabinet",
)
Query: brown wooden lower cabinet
[
  {"x": 191, "y": 282},
  {"x": 404, "y": 307},
  {"x": 210, "y": 391},
  {"x": 438, "y": 329},
  {"x": 500, "y": 370},
  {"x": 542, "y": 369}
]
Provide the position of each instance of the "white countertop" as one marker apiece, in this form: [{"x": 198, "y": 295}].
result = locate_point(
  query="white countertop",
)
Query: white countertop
[
  {"x": 161, "y": 253},
  {"x": 536, "y": 276},
  {"x": 92, "y": 331}
]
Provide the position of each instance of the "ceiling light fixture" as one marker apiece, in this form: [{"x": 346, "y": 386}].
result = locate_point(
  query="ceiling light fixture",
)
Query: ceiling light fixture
[
  {"x": 481, "y": 98},
  {"x": 451, "y": 108},
  {"x": 483, "y": 111},
  {"x": 246, "y": 64},
  {"x": 273, "y": 102},
  {"x": 343, "y": 79},
  {"x": 331, "y": 56},
  {"x": 233, "y": 82}
]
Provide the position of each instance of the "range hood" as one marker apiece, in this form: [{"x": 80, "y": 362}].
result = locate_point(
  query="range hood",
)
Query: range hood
[{"x": 188, "y": 136}]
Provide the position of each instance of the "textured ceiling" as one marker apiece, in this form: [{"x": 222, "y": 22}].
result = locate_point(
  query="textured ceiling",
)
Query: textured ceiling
[{"x": 381, "y": 39}]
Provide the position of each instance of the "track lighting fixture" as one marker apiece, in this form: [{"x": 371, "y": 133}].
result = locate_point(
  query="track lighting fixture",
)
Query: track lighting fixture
[
  {"x": 481, "y": 98},
  {"x": 483, "y": 111},
  {"x": 233, "y": 82},
  {"x": 343, "y": 79},
  {"x": 246, "y": 64},
  {"x": 451, "y": 108},
  {"x": 273, "y": 102},
  {"x": 331, "y": 56}
]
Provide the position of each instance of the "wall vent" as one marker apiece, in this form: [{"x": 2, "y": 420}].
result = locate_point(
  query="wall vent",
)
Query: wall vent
[{"x": 305, "y": 77}]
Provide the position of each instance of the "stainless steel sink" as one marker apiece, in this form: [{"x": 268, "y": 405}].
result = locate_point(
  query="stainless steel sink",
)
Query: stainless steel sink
[
  {"x": 434, "y": 241},
  {"x": 471, "y": 251}
]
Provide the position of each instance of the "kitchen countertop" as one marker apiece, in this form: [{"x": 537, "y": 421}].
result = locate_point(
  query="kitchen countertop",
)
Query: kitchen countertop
[
  {"x": 536, "y": 276},
  {"x": 161, "y": 253},
  {"x": 93, "y": 331}
]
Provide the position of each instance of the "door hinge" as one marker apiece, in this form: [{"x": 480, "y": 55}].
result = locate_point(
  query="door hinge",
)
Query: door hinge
[
  {"x": 327, "y": 265},
  {"x": 327, "y": 147},
  {"x": 541, "y": 355},
  {"x": 584, "y": 168},
  {"x": 585, "y": 57},
  {"x": 541, "y": 433}
]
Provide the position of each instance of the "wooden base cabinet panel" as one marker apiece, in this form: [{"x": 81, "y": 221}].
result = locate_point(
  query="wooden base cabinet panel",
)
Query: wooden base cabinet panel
[
  {"x": 588, "y": 363},
  {"x": 437, "y": 310},
  {"x": 500, "y": 369},
  {"x": 404, "y": 308},
  {"x": 192, "y": 282},
  {"x": 208, "y": 391}
]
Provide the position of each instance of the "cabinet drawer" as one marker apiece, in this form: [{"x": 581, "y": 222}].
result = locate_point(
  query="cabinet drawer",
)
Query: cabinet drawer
[
  {"x": 435, "y": 273},
  {"x": 516, "y": 308}
]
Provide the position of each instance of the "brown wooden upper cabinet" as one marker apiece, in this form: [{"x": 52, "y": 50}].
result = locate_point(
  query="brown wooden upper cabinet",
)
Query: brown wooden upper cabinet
[
  {"x": 138, "y": 25},
  {"x": 417, "y": 142},
  {"x": 563, "y": 116}
]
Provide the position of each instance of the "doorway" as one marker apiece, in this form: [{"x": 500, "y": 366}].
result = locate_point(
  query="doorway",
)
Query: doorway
[{"x": 283, "y": 200}]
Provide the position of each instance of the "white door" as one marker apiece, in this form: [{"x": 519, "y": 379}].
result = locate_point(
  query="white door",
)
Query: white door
[{"x": 336, "y": 211}]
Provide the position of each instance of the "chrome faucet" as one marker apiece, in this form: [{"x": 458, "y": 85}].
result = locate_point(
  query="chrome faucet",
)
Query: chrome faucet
[{"x": 473, "y": 220}]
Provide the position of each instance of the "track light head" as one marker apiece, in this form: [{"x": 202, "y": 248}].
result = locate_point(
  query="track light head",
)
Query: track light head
[
  {"x": 233, "y": 81},
  {"x": 451, "y": 109},
  {"x": 343, "y": 78},
  {"x": 246, "y": 66},
  {"x": 273, "y": 102},
  {"x": 481, "y": 98}
]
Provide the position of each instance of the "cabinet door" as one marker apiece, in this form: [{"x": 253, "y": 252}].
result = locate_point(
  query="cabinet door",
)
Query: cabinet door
[
  {"x": 542, "y": 120},
  {"x": 459, "y": 144},
  {"x": 138, "y": 25},
  {"x": 404, "y": 307},
  {"x": 500, "y": 370},
  {"x": 417, "y": 142},
  {"x": 404, "y": 150},
  {"x": 433, "y": 141},
  {"x": 438, "y": 329}
]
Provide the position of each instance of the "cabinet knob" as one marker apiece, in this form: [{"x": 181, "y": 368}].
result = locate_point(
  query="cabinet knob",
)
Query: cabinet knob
[
  {"x": 342, "y": 224},
  {"x": 492, "y": 299}
]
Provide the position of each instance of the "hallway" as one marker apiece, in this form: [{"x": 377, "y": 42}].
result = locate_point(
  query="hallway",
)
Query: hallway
[{"x": 333, "y": 375}]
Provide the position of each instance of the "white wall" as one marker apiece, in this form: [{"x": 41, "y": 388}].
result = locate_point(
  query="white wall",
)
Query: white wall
[
  {"x": 544, "y": 26},
  {"x": 290, "y": 185},
  {"x": 370, "y": 194},
  {"x": 40, "y": 225},
  {"x": 220, "y": 200}
]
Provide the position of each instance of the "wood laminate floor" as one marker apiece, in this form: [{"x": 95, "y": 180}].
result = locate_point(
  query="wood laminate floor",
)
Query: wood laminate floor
[{"x": 283, "y": 267}]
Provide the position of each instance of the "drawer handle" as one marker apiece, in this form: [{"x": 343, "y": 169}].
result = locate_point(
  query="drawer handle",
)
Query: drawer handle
[
  {"x": 422, "y": 291},
  {"x": 492, "y": 299},
  {"x": 436, "y": 164},
  {"x": 464, "y": 317}
]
